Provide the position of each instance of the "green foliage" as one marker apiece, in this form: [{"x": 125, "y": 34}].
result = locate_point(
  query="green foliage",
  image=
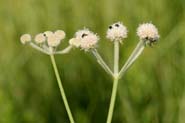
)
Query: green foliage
[{"x": 151, "y": 92}]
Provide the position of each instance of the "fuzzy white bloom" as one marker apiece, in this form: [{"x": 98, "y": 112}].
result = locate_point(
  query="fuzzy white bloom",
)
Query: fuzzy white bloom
[
  {"x": 117, "y": 32},
  {"x": 82, "y": 33},
  {"x": 40, "y": 38},
  {"x": 87, "y": 39},
  {"x": 75, "y": 42},
  {"x": 53, "y": 40},
  {"x": 25, "y": 38},
  {"x": 60, "y": 34},
  {"x": 48, "y": 33},
  {"x": 148, "y": 32}
]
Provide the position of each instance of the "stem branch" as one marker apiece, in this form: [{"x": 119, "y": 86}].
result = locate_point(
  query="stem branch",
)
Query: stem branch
[
  {"x": 38, "y": 48},
  {"x": 135, "y": 54},
  {"x": 64, "y": 51},
  {"x": 102, "y": 62}
]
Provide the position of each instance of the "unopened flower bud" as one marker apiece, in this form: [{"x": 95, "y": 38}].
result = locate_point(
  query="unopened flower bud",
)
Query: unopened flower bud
[
  {"x": 40, "y": 38},
  {"x": 60, "y": 34},
  {"x": 75, "y": 42},
  {"x": 53, "y": 40},
  {"x": 25, "y": 38}
]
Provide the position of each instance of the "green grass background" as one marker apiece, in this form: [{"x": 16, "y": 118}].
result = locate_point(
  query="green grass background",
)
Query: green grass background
[{"x": 152, "y": 91}]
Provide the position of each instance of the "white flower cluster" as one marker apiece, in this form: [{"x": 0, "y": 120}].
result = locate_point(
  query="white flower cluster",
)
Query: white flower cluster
[
  {"x": 84, "y": 39},
  {"x": 47, "y": 41},
  {"x": 148, "y": 32},
  {"x": 117, "y": 32}
]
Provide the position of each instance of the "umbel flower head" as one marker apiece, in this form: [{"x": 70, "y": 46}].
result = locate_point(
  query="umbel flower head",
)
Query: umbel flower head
[
  {"x": 25, "y": 38},
  {"x": 148, "y": 32},
  {"x": 47, "y": 41},
  {"x": 117, "y": 32},
  {"x": 84, "y": 39}
]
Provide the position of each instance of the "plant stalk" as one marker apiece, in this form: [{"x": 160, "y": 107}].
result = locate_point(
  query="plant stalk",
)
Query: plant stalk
[
  {"x": 115, "y": 83},
  {"x": 62, "y": 89},
  {"x": 102, "y": 62},
  {"x": 64, "y": 51},
  {"x": 112, "y": 101},
  {"x": 135, "y": 54},
  {"x": 38, "y": 48}
]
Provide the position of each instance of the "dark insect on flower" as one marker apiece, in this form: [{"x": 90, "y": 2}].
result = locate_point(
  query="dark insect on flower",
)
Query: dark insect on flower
[
  {"x": 83, "y": 35},
  {"x": 110, "y": 27},
  {"x": 148, "y": 33},
  {"x": 117, "y": 25}
]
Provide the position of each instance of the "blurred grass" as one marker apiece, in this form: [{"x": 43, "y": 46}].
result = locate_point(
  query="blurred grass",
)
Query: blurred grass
[{"x": 151, "y": 92}]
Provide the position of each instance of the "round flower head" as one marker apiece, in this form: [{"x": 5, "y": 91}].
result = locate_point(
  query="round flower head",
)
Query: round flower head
[
  {"x": 87, "y": 39},
  {"x": 60, "y": 34},
  {"x": 117, "y": 32},
  {"x": 40, "y": 38},
  {"x": 53, "y": 40},
  {"x": 75, "y": 42},
  {"x": 48, "y": 33},
  {"x": 25, "y": 38},
  {"x": 148, "y": 32}
]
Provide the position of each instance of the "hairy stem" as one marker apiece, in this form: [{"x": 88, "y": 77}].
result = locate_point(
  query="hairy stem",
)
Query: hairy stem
[{"x": 62, "y": 89}]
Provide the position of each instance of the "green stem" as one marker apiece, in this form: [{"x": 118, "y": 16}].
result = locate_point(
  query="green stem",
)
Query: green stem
[
  {"x": 135, "y": 54},
  {"x": 116, "y": 57},
  {"x": 38, "y": 48},
  {"x": 64, "y": 51},
  {"x": 115, "y": 84},
  {"x": 112, "y": 102},
  {"x": 102, "y": 62},
  {"x": 61, "y": 89}
]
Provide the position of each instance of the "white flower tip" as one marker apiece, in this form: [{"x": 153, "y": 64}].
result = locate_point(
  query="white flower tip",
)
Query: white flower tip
[
  {"x": 40, "y": 38},
  {"x": 87, "y": 39},
  {"x": 75, "y": 42},
  {"x": 60, "y": 34},
  {"x": 53, "y": 40},
  {"x": 48, "y": 33},
  {"x": 148, "y": 32},
  {"x": 82, "y": 33},
  {"x": 25, "y": 38},
  {"x": 117, "y": 32}
]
